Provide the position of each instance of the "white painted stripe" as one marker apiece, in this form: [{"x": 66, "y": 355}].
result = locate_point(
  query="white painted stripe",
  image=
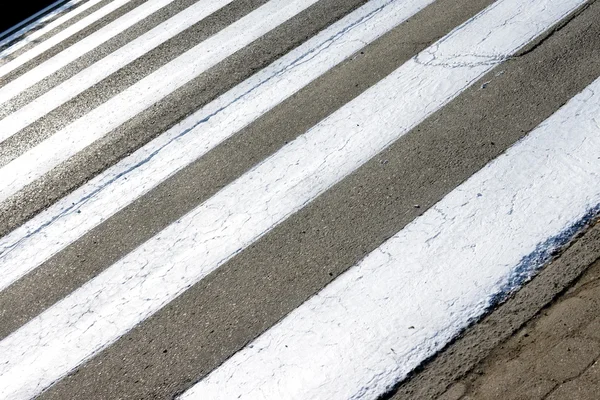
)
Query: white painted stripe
[
  {"x": 34, "y": 242},
  {"x": 378, "y": 321},
  {"x": 70, "y": 14},
  {"x": 75, "y": 51},
  {"x": 138, "y": 285},
  {"x": 85, "y": 79},
  {"x": 143, "y": 94}
]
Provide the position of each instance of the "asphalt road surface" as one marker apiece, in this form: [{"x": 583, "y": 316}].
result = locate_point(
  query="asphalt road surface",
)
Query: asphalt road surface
[{"x": 281, "y": 199}]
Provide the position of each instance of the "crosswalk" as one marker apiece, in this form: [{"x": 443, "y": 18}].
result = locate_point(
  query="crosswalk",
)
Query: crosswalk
[{"x": 273, "y": 199}]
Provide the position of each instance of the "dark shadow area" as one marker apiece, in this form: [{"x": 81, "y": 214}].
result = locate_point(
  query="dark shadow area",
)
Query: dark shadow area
[{"x": 18, "y": 11}]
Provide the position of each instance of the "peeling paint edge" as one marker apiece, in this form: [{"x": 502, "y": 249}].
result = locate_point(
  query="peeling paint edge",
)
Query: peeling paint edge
[{"x": 524, "y": 272}]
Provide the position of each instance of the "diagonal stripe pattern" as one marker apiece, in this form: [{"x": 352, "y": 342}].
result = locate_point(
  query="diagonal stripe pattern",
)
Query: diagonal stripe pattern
[{"x": 374, "y": 321}]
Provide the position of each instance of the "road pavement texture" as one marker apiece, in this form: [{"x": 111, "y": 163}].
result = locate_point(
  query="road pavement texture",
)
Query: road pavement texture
[{"x": 308, "y": 199}]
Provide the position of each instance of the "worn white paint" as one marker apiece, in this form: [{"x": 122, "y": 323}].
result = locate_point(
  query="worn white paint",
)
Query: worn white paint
[
  {"x": 47, "y": 27},
  {"x": 378, "y": 321},
  {"x": 143, "y": 94},
  {"x": 75, "y": 51},
  {"x": 34, "y": 242},
  {"x": 138, "y": 285},
  {"x": 59, "y": 37},
  {"x": 105, "y": 67}
]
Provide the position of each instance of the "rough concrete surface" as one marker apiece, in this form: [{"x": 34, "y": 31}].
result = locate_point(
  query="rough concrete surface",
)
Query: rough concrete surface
[{"x": 554, "y": 356}]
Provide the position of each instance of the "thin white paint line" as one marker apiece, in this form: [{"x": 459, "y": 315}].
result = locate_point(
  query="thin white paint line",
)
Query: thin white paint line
[
  {"x": 70, "y": 14},
  {"x": 48, "y": 67},
  {"x": 375, "y": 323},
  {"x": 144, "y": 93},
  {"x": 37, "y": 240},
  {"x": 59, "y": 37},
  {"x": 106, "y": 307},
  {"x": 85, "y": 79}
]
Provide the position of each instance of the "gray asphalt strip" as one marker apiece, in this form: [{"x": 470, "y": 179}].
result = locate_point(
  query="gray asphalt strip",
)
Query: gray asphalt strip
[
  {"x": 168, "y": 111},
  {"x": 137, "y": 69},
  {"x": 69, "y": 41},
  {"x": 103, "y": 91},
  {"x": 215, "y": 318}
]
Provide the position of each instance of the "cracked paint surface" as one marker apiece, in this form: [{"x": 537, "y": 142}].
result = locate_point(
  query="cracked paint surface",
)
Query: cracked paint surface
[
  {"x": 402, "y": 303},
  {"x": 85, "y": 79},
  {"x": 119, "y": 109},
  {"x": 34, "y": 242},
  {"x": 99, "y": 312}
]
